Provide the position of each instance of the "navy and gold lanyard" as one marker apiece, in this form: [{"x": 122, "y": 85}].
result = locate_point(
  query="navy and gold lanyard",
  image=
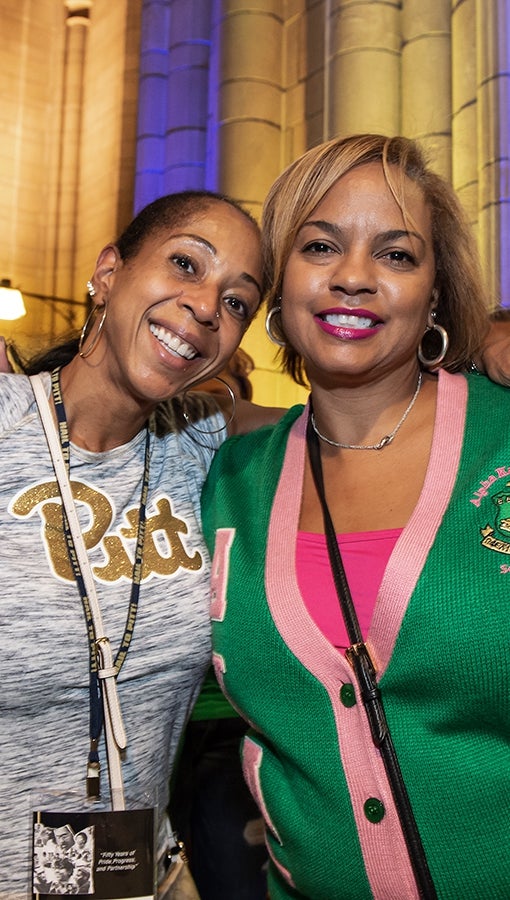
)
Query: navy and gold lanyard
[{"x": 95, "y": 701}]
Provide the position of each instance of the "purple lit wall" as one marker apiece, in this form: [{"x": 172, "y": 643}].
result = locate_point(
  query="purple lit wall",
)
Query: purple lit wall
[{"x": 175, "y": 88}]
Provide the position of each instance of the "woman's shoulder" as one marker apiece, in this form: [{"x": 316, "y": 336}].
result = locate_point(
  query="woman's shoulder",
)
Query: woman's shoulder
[{"x": 16, "y": 400}]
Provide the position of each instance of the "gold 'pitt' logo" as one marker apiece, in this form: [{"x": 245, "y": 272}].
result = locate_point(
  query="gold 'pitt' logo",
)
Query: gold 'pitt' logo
[{"x": 164, "y": 550}]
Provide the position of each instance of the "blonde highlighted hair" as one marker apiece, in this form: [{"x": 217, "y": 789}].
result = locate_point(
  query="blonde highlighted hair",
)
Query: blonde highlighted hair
[{"x": 463, "y": 304}]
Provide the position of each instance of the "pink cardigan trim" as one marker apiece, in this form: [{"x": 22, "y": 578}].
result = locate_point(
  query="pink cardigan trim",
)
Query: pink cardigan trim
[
  {"x": 382, "y": 844},
  {"x": 252, "y": 760},
  {"x": 411, "y": 550}
]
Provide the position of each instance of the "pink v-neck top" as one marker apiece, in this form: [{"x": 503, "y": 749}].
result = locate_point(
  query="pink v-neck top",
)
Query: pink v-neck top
[{"x": 365, "y": 555}]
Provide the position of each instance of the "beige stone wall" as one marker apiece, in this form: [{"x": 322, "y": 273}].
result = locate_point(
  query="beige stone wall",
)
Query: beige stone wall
[
  {"x": 68, "y": 89},
  {"x": 30, "y": 116},
  {"x": 108, "y": 137}
]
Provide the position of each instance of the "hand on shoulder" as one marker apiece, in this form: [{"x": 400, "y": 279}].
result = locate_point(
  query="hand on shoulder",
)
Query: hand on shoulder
[
  {"x": 5, "y": 366},
  {"x": 494, "y": 358}
]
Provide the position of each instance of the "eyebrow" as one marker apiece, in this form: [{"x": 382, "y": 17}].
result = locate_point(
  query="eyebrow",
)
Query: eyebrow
[
  {"x": 392, "y": 235},
  {"x": 245, "y": 276}
]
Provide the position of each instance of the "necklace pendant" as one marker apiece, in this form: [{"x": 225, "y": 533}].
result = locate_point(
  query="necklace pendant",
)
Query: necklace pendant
[{"x": 387, "y": 439}]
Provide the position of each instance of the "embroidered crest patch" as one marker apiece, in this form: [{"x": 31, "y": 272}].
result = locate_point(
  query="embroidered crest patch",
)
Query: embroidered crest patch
[{"x": 497, "y": 536}]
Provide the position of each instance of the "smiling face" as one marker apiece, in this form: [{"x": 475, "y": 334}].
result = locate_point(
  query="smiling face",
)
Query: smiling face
[
  {"x": 358, "y": 284},
  {"x": 177, "y": 310}
]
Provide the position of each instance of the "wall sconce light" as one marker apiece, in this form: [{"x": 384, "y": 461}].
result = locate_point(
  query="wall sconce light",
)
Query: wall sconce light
[
  {"x": 11, "y": 301},
  {"x": 12, "y": 305}
]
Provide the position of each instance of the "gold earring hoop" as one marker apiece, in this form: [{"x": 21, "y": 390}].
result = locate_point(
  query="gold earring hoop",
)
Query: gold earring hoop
[
  {"x": 436, "y": 361},
  {"x": 269, "y": 319},
  {"x": 94, "y": 312},
  {"x": 205, "y": 431}
]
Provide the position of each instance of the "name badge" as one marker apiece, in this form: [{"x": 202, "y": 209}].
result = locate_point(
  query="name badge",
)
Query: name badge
[{"x": 106, "y": 855}]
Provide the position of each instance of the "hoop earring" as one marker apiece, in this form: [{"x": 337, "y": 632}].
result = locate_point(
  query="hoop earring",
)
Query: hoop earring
[
  {"x": 90, "y": 319},
  {"x": 445, "y": 342},
  {"x": 269, "y": 319},
  {"x": 191, "y": 424}
]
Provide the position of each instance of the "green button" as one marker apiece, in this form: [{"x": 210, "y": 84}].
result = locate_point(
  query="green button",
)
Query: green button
[
  {"x": 373, "y": 809},
  {"x": 347, "y": 695}
]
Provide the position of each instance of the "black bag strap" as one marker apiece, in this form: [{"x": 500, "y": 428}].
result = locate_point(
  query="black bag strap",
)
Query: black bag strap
[{"x": 359, "y": 659}]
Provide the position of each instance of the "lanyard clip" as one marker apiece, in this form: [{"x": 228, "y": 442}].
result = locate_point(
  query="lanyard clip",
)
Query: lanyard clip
[
  {"x": 93, "y": 772},
  {"x": 361, "y": 663}
]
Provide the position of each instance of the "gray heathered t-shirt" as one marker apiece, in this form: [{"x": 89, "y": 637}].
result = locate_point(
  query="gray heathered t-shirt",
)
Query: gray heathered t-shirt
[{"x": 44, "y": 700}]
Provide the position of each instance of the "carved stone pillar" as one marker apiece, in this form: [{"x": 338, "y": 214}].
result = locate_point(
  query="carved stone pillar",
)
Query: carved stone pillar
[
  {"x": 247, "y": 81},
  {"x": 464, "y": 124},
  {"x": 249, "y": 96},
  {"x": 77, "y": 27},
  {"x": 364, "y": 92},
  {"x": 426, "y": 78},
  {"x": 174, "y": 95}
]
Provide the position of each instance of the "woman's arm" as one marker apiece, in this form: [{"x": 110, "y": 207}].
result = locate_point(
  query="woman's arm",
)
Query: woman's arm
[
  {"x": 250, "y": 416},
  {"x": 494, "y": 358},
  {"x": 5, "y": 365}
]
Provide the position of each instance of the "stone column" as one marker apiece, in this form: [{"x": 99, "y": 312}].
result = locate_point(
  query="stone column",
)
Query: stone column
[
  {"x": 249, "y": 97},
  {"x": 188, "y": 91},
  {"x": 426, "y": 78},
  {"x": 77, "y": 26},
  {"x": 174, "y": 94},
  {"x": 464, "y": 121},
  {"x": 247, "y": 116},
  {"x": 364, "y": 76},
  {"x": 152, "y": 102}
]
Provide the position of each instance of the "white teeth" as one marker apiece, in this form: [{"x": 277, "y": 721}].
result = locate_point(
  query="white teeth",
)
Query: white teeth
[
  {"x": 172, "y": 342},
  {"x": 348, "y": 321}
]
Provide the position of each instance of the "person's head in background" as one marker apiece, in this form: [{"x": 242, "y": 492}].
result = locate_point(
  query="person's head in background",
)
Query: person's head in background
[
  {"x": 236, "y": 374},
  {"x": 63, "y": 870},
  {"x": 460, "y": 301},
  {"x": 64, "y": 837},
  {"x": 80, "y": 840}
]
